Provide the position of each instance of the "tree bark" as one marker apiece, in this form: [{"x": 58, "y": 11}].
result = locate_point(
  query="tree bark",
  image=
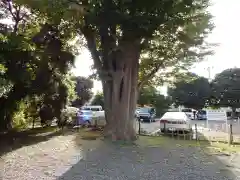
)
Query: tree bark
[{"x": 120, "y": 95}]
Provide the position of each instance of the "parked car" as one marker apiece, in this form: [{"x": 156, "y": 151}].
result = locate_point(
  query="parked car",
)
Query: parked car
[
  {"x": 137, "y": 111},
  {"x": 175, "y": 121},
  {"x": 146, "y": 114},
  {"x": 84, "y": 117},
  {"x": 189, "y": 112},
  {"x": 202, "y": 115}
]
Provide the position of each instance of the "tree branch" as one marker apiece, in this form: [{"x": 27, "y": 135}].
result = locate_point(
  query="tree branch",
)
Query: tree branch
[
  {"x": 91, "y": 43},
  {"x": 150, "y": 75}
]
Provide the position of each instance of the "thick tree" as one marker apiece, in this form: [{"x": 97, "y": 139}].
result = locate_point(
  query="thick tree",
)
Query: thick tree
[
  {"x": 225, "y": 89},
  {"x": 83, "y": 89},
  {"x": 190, "y": 91},
  {"x": 118, "y": 32}
]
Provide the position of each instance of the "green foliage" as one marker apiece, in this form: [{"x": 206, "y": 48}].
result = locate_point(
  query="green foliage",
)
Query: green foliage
[
  {"x": 34, "y": 64},
  {"x": 70, "y": 86},
  {"x": 171, "y": 33},
  {"x": 83, "y": 90},
  {"x": 225, "y": 88},
  {"x": 69, "y": 114},
  {"x": 190, "y": 91},
  {"x": 98, "y": 99},
  {"x": 25, "y": 114},
  {"x": 19, "y": 120},
  {"x": 150, "y": 96}
]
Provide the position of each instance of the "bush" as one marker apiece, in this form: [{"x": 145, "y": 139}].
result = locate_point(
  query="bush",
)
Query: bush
[
  {"x": 19, "y": 119},
  {"x": 69, "y": 115}
]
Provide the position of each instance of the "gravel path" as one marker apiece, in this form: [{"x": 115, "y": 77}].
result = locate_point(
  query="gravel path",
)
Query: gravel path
[
  {"x": 60, "y": 158},
  {"x": 45, "y": 160},
  {"x": 134, "y": 163}
]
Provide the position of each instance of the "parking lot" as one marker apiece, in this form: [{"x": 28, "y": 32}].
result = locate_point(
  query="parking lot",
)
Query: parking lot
[
  {"x": 216, "y": 126},
  {"x": 149, "y": 127}
]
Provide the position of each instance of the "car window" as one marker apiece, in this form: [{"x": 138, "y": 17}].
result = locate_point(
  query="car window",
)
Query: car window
[
  {"x": 144, "y": 110},
  {"x": 202, "y": 112},
  {"x": 95, "y": 109},
  {"x": 186, "y": 110},
  {"x": 87, "y": 112},
  {"x": 86, "y": 109}
]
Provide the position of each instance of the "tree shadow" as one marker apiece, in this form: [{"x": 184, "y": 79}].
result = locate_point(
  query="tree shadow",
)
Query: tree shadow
[
  {"x": 106, "y": 160},
  {"x": 14, "y": 140}
]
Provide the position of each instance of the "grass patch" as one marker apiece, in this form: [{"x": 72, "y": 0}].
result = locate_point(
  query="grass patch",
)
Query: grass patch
[
  {"x": 40, "y": 130},
  {"x": 87, "y": 134},
  {"x": 162, "y": 141},
  {"x": 87, "y": 137},
  {"x": 216, "y": 147}
]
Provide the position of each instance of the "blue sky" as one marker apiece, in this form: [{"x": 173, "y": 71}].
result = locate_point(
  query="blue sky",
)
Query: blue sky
[{"x": 226, "y": 34}]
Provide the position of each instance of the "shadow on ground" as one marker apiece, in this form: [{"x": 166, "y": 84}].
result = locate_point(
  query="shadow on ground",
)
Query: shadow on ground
[
  {"x": 149, "y": 158},
  {"x": 15, "y": 140}
]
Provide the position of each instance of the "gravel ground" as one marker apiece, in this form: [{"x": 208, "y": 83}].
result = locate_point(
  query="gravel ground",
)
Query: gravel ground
[
  {"x": 45, "y": 160},
  {"x": 60, "y": 158}
]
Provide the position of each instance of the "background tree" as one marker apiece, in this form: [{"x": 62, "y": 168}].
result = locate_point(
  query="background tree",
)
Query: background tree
[
  {"x": 83, "y": 90},
  {"x": 35, "y": 61},
  {"x": 98, "y": 99},
  {"x": 150, "y": 96},
  {"x": 190, "y": 91},
  {"x": 225, "y": 89},
  {"x": 133, "y": 31}
]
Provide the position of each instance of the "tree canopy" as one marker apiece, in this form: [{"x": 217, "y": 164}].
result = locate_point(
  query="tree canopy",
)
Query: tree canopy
[
  {"x": 191, "y": 91},
  {"x": 98, "y": 99},
  {"x": 225, "y": 89}
]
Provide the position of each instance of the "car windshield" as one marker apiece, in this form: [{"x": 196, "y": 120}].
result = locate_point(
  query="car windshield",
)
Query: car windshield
[
  {"x": 86, "y": 112},
  {"x": 202, "y": 112},
  {"x": 144, "y": 110},
  {"x": 95, "y": 109},
  {"x": 85, "y": 108},
  {"x": 186, "y": 110}
]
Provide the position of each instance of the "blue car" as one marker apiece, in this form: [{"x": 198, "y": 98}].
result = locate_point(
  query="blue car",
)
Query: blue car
[{"x": 84, "y": 117}]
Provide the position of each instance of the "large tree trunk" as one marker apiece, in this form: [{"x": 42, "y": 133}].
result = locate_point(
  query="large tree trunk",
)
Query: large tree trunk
[{"x": 120, "y": 95}]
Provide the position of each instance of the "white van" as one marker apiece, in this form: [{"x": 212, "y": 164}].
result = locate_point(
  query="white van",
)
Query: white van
[
  {"x": 97, "y": 110},
  {"x": 92, "y": 108},
  {"x": 175, "y": 121}
]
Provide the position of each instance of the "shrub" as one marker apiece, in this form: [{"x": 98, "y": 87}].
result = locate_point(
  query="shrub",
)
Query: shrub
[{"x": 69, "y": 114}]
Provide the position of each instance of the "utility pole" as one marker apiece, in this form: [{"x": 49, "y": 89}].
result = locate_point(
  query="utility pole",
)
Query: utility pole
[{"x": 209, "y": 72}]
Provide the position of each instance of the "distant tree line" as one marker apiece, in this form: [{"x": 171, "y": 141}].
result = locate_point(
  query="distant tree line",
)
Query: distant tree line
[{"x": 193, "y": 91}]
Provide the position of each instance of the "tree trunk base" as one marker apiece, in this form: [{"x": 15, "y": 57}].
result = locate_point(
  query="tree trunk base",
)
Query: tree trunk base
[{"x": 117, "y": 135}]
